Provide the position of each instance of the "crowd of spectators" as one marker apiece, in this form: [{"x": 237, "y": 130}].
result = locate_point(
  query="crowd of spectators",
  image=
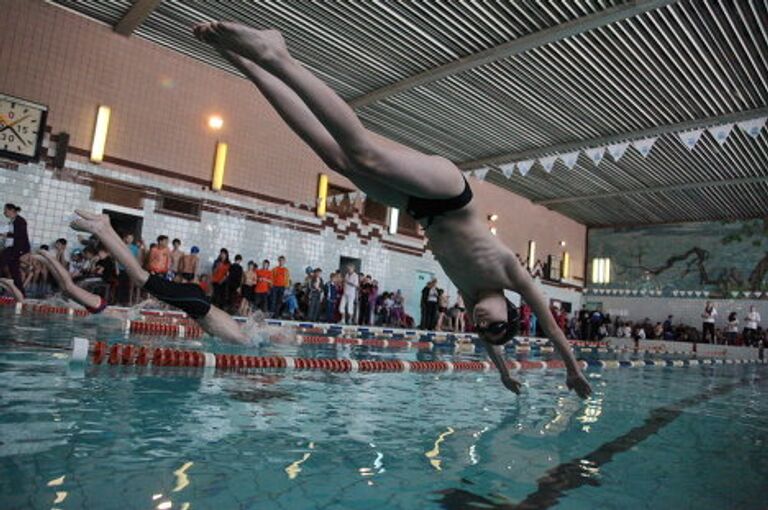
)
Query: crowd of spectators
[
  {"x": 233, "y": 285},
  {"x": 346, "y": 296},
  {"x": 594, "y": 325}
]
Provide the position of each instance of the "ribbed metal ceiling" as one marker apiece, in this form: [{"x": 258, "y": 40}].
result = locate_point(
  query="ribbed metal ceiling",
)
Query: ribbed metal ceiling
[{"x": 686, "y": 61}]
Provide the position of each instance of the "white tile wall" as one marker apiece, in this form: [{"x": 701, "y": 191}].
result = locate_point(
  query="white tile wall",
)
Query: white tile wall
[{"x": 48, "y": 204}]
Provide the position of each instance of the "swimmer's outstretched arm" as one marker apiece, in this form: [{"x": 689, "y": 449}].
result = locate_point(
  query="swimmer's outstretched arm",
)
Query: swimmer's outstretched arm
[
  {"x": 520, "y": 281},
  {"x": 63, "y": 278},
  {"x": 216, "y": 322},
  {"x": 11, "y": 287}
]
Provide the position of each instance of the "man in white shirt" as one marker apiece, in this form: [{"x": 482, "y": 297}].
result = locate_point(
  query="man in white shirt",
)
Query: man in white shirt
[
  {"x": 750, "y": 327},
  {"x": 347, "y": 303},
  {"x": 709, "y": 316}
]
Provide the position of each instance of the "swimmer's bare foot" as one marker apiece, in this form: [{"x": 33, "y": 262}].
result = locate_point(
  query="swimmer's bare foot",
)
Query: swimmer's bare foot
[
  {"x": 90, "y": 222},
  {"x": 8, "y": 285},
  {"x": 262, "y": 46}
]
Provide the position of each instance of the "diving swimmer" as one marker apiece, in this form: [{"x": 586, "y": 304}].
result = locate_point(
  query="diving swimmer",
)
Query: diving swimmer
[{"x": 430, "y": 188}]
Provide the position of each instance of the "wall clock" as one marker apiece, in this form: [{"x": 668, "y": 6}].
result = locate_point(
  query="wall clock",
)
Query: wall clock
[{"x": 22, "y": 124}]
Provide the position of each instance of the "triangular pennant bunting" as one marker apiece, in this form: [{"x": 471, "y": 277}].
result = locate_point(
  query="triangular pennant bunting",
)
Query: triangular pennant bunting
[
  {"x": 548, "y": 162},
  {"x": 508, "y": 169},
  {"x": 691, "y": 138},
  {"x": 480, "y": 173},
  {"x": 644, "y": 146},
  {"x": 720, "y": 133},
  {"x": 595, "y": 154},
  {"x": 570, "y": 159},
  {"x": 752, "y": 127},
  {"x": 525, "y": 166},
  {"x": 617, "y": 150}
]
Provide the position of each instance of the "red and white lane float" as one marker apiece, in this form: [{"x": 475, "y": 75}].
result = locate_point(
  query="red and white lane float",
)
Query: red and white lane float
[
  {"x": 183, "y": 329},
  {"x": 99, "y": 353},
  {"x": 43, "y": 309},
  {"x": 369, "y": 342}
]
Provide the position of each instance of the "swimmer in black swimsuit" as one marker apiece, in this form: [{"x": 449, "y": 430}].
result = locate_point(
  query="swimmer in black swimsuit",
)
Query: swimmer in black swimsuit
[
  {"x": 188, "y": 297},
  {"x": 430, "y": 188}
]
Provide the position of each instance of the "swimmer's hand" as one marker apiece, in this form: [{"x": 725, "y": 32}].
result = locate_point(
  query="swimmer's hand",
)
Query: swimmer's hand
[
  {"x": 578, "y": 383},
  {"x": 511, "y": 383}
]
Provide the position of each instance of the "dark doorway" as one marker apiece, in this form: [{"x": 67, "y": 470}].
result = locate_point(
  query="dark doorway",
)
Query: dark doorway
[
  {"x": 345, "y": 261},
  {"x": 125, "y": 223}
]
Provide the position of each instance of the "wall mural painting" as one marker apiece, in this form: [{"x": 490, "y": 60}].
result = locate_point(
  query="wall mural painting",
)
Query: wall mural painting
[{"x": 728, "y": 259}]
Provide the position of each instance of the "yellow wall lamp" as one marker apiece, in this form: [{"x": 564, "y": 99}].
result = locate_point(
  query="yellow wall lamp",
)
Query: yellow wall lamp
[
  {"x": 219, "y": 165},
  {"x": 322, "y": 195},
  {"x": 100, "y": 134}
]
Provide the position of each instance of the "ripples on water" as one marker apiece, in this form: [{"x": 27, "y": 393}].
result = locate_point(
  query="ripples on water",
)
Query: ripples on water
[{"x": 107, "y": 437}]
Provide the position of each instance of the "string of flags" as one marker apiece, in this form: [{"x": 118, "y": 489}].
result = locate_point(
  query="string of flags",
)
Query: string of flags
[
  {"x": 735, "y": 294},
  {"x": 689, "y": 138}
]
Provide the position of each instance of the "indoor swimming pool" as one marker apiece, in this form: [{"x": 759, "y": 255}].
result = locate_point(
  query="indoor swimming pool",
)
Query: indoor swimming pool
[{"x": 126, "y": 437}]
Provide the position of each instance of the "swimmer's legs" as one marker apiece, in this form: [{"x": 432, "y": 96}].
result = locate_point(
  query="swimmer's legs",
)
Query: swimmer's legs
[
  {"x": 7, "y": 284},
  {"x": 216, "y": 322},
  {"x": 98, "y": 225},
  {"x": 63, "y": 278},
  {"x": 303, "y": 122},
  {"x": 405, "y": 169}
]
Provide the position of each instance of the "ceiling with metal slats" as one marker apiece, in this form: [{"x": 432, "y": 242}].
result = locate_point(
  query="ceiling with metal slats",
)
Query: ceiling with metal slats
[{"x": 491, "y": 82}]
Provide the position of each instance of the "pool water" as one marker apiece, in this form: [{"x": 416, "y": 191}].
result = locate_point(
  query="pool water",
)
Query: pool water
[{"x": 114, "y": 438}]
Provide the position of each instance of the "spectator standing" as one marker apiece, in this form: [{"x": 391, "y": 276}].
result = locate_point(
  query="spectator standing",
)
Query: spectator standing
[
  {"x": 16, "y": 244},
  {"x": 584, "y": 324},
  {"x": 124, "y": 285},
  {"x": 281, "y": 280},
  {"x": 433, "y": 297},
  {"x": 316, "y": 285},
  {"x": 219, "y": 274},
  {"x": 458, "y": 321},
  {"x": 443, "y": 300},
  {"x": 708, "y": 327},
  {"x": 351, "y": 286},
  {"x": 249, "y": 282},
  {"x": 331, "y": 295},
  {"x": 234, "y": 281},
  {"x": 364, "y": 305},
  {"x": 188, "y": 265},
  {"x": 176, "y": 255},
  {"x": 373, "y": 297},
  {"x": 398, "y": 309},
  {"x": 160, "y": 258},
  {"x": 751, "y": 325},
  {"x": 669, "y": 330},
  {"x": 594, "y": 324},
  {"x": 263, "y": 287},
  {"x": 731, "y": 329}
]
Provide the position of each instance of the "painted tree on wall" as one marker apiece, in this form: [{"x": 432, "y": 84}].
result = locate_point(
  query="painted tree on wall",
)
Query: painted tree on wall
[
  {"x": 755, "y": 233},
  {"x": 721, "y": 258}
]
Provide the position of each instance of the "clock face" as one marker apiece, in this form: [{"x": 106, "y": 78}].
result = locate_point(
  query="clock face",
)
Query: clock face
[{"x": 21, "y": 127}]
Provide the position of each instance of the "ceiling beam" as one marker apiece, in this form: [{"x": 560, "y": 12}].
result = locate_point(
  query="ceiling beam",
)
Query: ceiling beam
[
  {"x": 656, "y": 189},
  {"x": 563, "y": 148},
  {"x": 131, "y": 20},
  {"x": 515, "y": 47}
]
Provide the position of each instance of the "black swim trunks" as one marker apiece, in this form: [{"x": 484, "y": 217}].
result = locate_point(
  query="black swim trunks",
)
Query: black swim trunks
[
  {"x": 188, "y": 297},
  {"x": 429, "y": 208}
]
